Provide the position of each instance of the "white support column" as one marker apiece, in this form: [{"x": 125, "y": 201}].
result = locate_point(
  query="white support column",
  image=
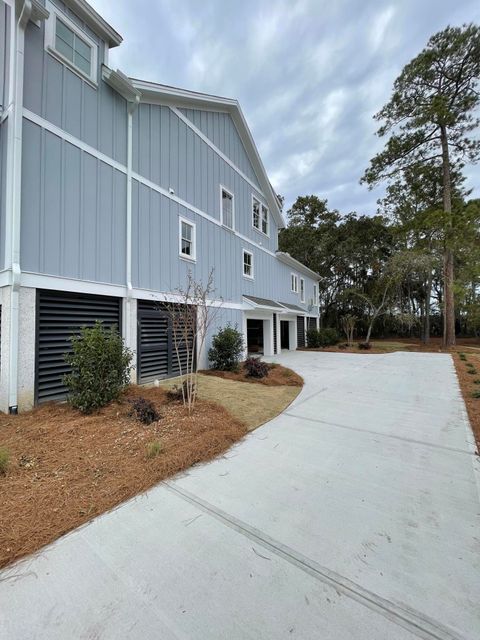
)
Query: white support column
[
  {"x": 26, "y": 349},
  {"x": 129, "y": 332},
  {"x": 268, "y": 336},
  {"x": 292, "y": 334}
]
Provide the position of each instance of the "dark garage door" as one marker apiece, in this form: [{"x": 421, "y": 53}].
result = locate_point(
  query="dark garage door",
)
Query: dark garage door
[
  {"x": 156, "y": 353},
  {"x": 59, "y": 316}
]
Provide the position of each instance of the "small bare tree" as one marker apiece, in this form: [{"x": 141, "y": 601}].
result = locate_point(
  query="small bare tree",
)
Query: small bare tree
[
  {"x": 191, "y": 318},
  {"x": 348, "y": 326}
]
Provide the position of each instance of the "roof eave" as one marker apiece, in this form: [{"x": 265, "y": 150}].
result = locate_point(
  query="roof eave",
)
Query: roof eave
[
  {"x": 95, "y": 21},
  {"x": 286, "y": 258}
]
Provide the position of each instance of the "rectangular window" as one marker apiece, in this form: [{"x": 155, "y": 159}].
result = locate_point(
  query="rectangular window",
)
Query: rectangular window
[
  {"x": 315, "y": 295},
  {"x": 302, "y": 289},
  {"x": 227, "y": 213},
  {"x": 256, "y": 213},
  {"x": 66, "y": 41},
  {"x": 259, "y": 216},
  {"x": 264, "y": 220},
  {"x": 187, "y": 239},
  {"x": 294, "y": 283},
  {"x": 247, "y": 264}
]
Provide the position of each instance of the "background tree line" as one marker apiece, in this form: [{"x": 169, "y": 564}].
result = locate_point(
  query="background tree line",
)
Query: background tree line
[{"x": 414, "y": 267}]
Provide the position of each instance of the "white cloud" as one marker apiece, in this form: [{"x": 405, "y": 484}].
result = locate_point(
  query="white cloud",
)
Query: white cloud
[{"x": 309, "y": 74}]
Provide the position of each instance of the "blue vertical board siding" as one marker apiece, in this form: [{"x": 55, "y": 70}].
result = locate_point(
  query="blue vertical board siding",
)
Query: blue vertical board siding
[
  {"x": 4, "y": 53},
  {"x": 73, "y": 211},
  {"x": 157, "y": 265},
  {"x": 3, "y": 173},
  {"x": 95, "y": 115},
  {"x": 221, "y": 130},
  {"x": 169, "y": 153}
]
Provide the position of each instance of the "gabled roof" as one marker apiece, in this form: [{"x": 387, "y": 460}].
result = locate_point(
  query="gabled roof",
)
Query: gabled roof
[
  {"x": 164, "y": 94},
  {"x": 263, "y": 302},
  {"x": 95, "y": 21},
  {"x": 286, "y": 258},
  {"x": 292, "y": 307}
]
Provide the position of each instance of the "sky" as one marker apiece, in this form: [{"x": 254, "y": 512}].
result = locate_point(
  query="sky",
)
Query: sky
[{"x": 309, "y": 74}]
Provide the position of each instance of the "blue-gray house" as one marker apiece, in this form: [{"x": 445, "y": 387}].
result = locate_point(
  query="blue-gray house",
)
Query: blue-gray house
[{"x": 111, "y": 189}]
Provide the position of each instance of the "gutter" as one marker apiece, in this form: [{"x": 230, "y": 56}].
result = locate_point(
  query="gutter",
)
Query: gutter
[{"x": 286, "y": 258}]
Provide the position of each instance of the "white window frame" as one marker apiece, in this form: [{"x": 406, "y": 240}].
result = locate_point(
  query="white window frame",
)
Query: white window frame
[
  {"x": 261, "y": 206},
  {"x": 294, "y": 282},
  {"x": 222, "y": 189},
  {"x": 184, "y": 256},
  {"x": 315, "y": 295},
  {"x": 302, "y": 289},
  {"x": 50, "y": 32},
  {"x": 252, "y": 276}
]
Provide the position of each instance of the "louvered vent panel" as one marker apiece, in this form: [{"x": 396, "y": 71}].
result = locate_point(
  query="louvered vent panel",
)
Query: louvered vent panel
[{"x": 61, "y": 315}]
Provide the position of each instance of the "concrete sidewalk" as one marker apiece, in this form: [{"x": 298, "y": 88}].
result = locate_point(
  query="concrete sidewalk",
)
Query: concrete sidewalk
[{"x": 355, "y": 514}]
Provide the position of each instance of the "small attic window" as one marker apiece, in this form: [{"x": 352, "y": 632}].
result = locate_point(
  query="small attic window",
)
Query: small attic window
[{"x": 67, "y": 42}]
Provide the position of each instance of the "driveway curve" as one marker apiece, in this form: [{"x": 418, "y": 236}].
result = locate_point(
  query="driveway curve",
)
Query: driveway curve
[{"x": 352, "y": 515}]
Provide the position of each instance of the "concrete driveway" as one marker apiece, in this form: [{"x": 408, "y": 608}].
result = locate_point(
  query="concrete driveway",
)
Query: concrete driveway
[{"x": 355, "y": 514}]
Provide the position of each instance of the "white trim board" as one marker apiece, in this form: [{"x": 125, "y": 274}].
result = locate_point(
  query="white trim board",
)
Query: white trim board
[
  {"x": 43, "y": 281},
  {"x": 76, "y": 142},
  {"x": 212, "y": 146}
]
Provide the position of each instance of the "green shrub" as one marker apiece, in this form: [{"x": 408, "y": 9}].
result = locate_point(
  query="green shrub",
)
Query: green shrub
[
  {"x": 256, "y": 368},
  {"x": 462, "y": 356},
  {"x": 100, "y": 365},
  {"x": 226, "y": 350},
  {"x": 4, "y": 460},
  {"x": 476, "y": 394},
  {"x": 154, "y": 449},
  {"x": 476, "y": 381},
  {"x": 322, "y": 337},
  {"x": 472, "y": 371},
  {"x": 364, "y": 346}
]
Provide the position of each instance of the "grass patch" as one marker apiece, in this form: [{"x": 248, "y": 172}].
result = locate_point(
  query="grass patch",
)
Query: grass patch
[
  {"x": 153, "y": 449},
  {"x": 4, "y": 460},
  {"x": 254, "y": 404}
]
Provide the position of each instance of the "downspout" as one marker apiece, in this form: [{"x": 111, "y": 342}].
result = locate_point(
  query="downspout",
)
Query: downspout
[
  {"x": 131, "y": 106},
  {"x": 27, "y": 10},
  {"x": 17, "y": 105}
]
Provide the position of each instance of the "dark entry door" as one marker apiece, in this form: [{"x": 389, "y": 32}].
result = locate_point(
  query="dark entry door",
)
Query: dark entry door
[
  {"x": 255, "y": 336},
  {"x": 284, "y": 334}
]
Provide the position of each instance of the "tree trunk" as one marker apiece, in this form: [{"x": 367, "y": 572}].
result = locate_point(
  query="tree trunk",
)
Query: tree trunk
[
  {"x": 426, "y": 325},
  {"x": 448, "y": 276},
  {"x": 367, "y": 339}
]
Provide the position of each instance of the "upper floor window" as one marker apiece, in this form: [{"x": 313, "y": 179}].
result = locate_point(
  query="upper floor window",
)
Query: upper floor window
[
  {"x": 294, "y": 283},
  {"x": 187, "y": 239},
  {"x": 302, "y": 289},
  {"x": 226, "y": 204},
  {"x": 247, "y": 264},
  {"x": 259, "y": 216},
  {"x": 315, "y": 295},
  {"x": 66, "y": 41}
]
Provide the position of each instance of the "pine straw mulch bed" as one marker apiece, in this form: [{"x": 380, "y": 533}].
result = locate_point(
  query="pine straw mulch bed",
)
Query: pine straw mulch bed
[
  {"x": 66, "y": 468},
  {"x": 470, "y": 385},
  {"x": 278, "y": 376}
]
